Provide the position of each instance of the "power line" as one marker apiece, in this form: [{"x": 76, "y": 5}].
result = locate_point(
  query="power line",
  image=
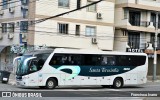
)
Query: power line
[
  {"x": 80, "y": 36},
  {"x": 44, "y": 19}
]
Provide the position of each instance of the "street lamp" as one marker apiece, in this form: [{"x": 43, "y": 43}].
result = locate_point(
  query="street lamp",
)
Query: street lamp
[{"x": 155, "y": 49}]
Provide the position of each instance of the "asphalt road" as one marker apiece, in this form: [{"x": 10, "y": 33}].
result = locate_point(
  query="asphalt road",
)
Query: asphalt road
[{"x": 86, "y": 92}]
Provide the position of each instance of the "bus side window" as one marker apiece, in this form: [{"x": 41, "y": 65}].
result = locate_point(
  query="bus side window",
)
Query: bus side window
[
  {"x": 63, "y": 60},
  {"x": 108, "y": 60},
  {"x": 74, "y": 59},
  {"x": 56, "y": 60},
  {"x": 33, "y": 66},
  {"x": 104, "y": 60},
  {"x": 40, "y": 64}
]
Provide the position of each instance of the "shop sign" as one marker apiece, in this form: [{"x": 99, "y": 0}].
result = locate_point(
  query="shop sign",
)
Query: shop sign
[{"x": 135, "y": 50}]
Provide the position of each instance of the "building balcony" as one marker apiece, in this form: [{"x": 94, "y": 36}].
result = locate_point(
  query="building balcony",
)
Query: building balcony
[
  {"x": 143, "y": 26},
  {"x": 139, "y": 4},
  {"x": 154, "y": 3}
]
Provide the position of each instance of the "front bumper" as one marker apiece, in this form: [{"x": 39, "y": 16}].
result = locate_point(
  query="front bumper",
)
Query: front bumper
[{"x": 21, "y": 83}]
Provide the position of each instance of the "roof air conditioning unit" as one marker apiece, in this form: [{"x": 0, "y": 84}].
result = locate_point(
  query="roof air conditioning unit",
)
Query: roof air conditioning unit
[
  {"x": 1, "y": 12},
  {"x": 11, "y": 10},
  {"x": 94, "y": 40},
  {"x": 10, "y": 35},
  {"x": 99, "y": 15}
]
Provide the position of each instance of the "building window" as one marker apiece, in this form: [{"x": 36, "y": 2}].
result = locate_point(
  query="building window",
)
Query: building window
[
  {"x": 153, "y": 39},
  {"x": 24, "y": 2},
  {"x": 24, "y": 26},
  {"x": 63, "y": 3},
  {"x": 62, "y": 28},
  {"x": 134, "y": 40},
  {"x": 90, "y": 31},
  {"x": 153, "y": 19},
  {"x": 91, "y": 8},
  {"x": 125, "y": 13},
  {"x": 78, "y": 4},
  {"x": 11, "y": 27},
  {"x": 134, "y": 18},
  {"x": 4, "y": 27},
  {"x": 77, "y": 30},
  {"x": 5, "y": 4}
]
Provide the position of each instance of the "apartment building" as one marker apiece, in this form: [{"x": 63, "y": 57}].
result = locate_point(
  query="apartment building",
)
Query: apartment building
[
  {"x": 92, "y": 27},
  {"x": 135, "y": 22},
  {"x": 88, "y": 28},
  {"x": 13, "y": 29}
]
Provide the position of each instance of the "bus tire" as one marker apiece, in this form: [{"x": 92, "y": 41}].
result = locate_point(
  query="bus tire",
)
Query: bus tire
[
  {"x": 51, "y": 83},
  {"x": 118, "y": 83}
]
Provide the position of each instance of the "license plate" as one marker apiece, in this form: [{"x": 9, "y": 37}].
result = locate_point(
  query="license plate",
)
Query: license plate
[
  {"x": 5, "y": 79},
  {"x": 18, "y": 83}
]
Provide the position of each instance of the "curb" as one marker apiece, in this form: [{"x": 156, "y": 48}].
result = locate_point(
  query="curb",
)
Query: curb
[
  {"x": 11, "y": 82},
  {"x": 150, "y": 81}
]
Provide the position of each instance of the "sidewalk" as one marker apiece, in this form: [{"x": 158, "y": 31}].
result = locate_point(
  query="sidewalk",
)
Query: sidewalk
[
  {"x": 150, "y": 79},
  {"x": 12, "y": 79}
]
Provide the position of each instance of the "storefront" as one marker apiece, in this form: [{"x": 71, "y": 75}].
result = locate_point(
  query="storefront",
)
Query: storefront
[
  {"x": 150, "y": 54},
  {"x": 6, "y": 58}
]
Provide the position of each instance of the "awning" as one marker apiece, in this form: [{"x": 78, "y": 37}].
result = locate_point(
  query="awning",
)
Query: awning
[
  {"x": 1, "y": 48},
  {"x": 152, "y": 51}
]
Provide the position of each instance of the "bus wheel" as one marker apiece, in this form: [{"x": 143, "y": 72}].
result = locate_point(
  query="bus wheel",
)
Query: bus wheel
[
  {"x": 118, "y": 83},
  {"x": 51, "y": 83}
]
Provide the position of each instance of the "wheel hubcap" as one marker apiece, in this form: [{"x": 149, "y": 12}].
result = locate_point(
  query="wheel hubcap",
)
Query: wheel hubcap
[
  {"x": 118, "y": 83},
  {"x": 50, "y": 84}
]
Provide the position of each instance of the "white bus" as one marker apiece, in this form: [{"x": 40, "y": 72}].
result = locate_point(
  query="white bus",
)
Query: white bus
[{"x": 59, "y": 67}]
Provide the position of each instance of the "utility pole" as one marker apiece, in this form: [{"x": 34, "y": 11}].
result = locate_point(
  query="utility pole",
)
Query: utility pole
[{"x": 155, "y": 49}]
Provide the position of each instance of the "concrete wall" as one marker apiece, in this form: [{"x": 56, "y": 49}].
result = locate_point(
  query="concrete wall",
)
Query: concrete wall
[
  {"x": 50, "y": 8},
  {"x": 154, "y": 3},
  {"x": 120, "y": 41},
  {"x": 50, "y": 37},
  {"x": 104, "y": 26}
]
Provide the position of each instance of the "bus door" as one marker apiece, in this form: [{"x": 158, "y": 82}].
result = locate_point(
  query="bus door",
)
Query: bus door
[{"x": 33, "y": 73}]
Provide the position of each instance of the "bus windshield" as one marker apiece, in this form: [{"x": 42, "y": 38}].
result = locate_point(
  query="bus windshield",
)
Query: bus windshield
[
  {"x": 34, "y": 63},
  {"x": 22, "y": 69}
]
